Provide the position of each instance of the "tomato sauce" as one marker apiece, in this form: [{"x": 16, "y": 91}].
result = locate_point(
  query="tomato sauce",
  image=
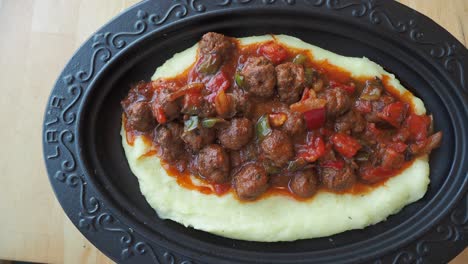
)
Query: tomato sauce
[{"x": 279, "y": 182}]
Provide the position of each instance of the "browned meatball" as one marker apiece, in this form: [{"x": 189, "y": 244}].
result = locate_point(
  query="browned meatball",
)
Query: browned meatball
[
  {"x": 236, "y": 134},
  {"x": 170, "y": 109},
  {"x": 259, "y": 76},
  {"x": 290, "y": 77},
  {"x": 351, "y": 121},
  {"x": 214, "y": 43},
  {"x": 198, "y": 138},
  {"x": 169, "y": 141},
  {"x": 338, "y": 101},
  {"x": 303, "y": 183},
  {"x": 213, "y": 164},
  {"x": 337, "y": 179},
  {"x": 243, "y": 105},
  {"x": 204, "y": 108},
  {"x": 250, "y": 181},
  {"x": 390, "y": 159},
  {"x": 140, "y": 117},
  {"x": 295, "y": 124},
  {"x": 278, "y": 148}
]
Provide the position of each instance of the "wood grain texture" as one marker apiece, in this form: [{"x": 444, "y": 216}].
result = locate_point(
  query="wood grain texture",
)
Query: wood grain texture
[{"x": 38, "y": 38}]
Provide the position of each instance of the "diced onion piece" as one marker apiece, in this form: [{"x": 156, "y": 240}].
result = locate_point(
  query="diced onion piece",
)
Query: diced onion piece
[
  {"x": 277, "y": 119},
  {"x": 308, "y": 104},
  {"x": 222, "y": 103}
]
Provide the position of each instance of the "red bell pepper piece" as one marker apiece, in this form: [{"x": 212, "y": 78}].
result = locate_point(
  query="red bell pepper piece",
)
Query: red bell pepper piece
[
  {"x": 277, "y": 119},
  {"x": 274, "y": 52},
  {"x": 218, "y": 83},
  {"x": 394, "y": 113},
  {"x": 418, "y": 126},
  {"x": 315, "y": 118},
  {"x": 314, "y": 149},
  {"x": 345, "y": 144},
  {"x": 347, "y": 87},
  {"x": 160, "y": 115}
]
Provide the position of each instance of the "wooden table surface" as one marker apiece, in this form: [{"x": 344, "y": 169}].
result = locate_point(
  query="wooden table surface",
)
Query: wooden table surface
[{"x": 37, "y": 38}]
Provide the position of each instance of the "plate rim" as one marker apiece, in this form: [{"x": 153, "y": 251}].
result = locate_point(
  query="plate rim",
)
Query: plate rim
[{"x": 113, "y": 45}]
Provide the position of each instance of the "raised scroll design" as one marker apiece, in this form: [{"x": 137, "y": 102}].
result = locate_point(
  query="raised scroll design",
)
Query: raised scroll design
[
  {"x": 455, "y": 230},
  {"x": 288, "y": 2},
  {"x": 358, "y": 8},
  {"x": 170, "y": 259},
  {"x": 228, "y": 2},
  {"x": 404, "y": 257},
  {"x": 68, "y": 164},
  {"x": 445, "y": 53},
  {"x": 179, "y": 9},
  {"x": 91, "y": 221},
  {"x": 70, "y": 117}
]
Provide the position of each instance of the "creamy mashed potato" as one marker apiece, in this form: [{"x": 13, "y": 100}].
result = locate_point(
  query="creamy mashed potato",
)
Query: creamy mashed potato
[{"x": 276, "y": 218}]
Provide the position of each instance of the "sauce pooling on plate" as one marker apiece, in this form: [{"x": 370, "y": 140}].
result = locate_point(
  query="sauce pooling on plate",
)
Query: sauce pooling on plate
[{"x": 267, "y": 119}]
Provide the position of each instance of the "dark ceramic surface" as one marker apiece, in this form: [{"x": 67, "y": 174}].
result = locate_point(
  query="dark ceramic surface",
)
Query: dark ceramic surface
[{"x": 95, "y": 187}]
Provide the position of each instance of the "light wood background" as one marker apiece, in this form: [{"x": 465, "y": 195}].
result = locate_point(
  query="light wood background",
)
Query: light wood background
[{"x": 37, "y": 38}]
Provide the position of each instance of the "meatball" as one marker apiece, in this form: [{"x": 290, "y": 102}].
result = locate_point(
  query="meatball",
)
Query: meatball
[
  {"x": 290, "y": 77},
  {"x": 236, "y": 134},
  {"x": 213, "y": 164},
  {"x": 169, "y": 141},
  {"x": 337, "y": 179},
  {"x": 170, "y": 109},
  {"x": 250, "y": 181},
  {"x": 295, "y": 124},
  {"x": 214, "y": 43},
  {"x": 391, "y": 159},
  {"x": 303, "y": 183},
  {"x": 259, "y": 76},
  {"x": 242, "y": 102},
  {"x": 140, "y": 117},
  {"x": 278, "y": 148},
  {"x": 198, "y": 138},
  {"x": 351, "y": 121},
  {"x": 338, "y": 101},
  {"x": 203, "y": 108}
]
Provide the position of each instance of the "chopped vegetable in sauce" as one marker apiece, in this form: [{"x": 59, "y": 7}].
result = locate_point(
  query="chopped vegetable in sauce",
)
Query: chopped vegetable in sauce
[{"x": 267, "y": 117}]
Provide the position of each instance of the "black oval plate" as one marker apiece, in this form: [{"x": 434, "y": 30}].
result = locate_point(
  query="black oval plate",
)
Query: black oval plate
[{"x": 91, "y": 178}]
